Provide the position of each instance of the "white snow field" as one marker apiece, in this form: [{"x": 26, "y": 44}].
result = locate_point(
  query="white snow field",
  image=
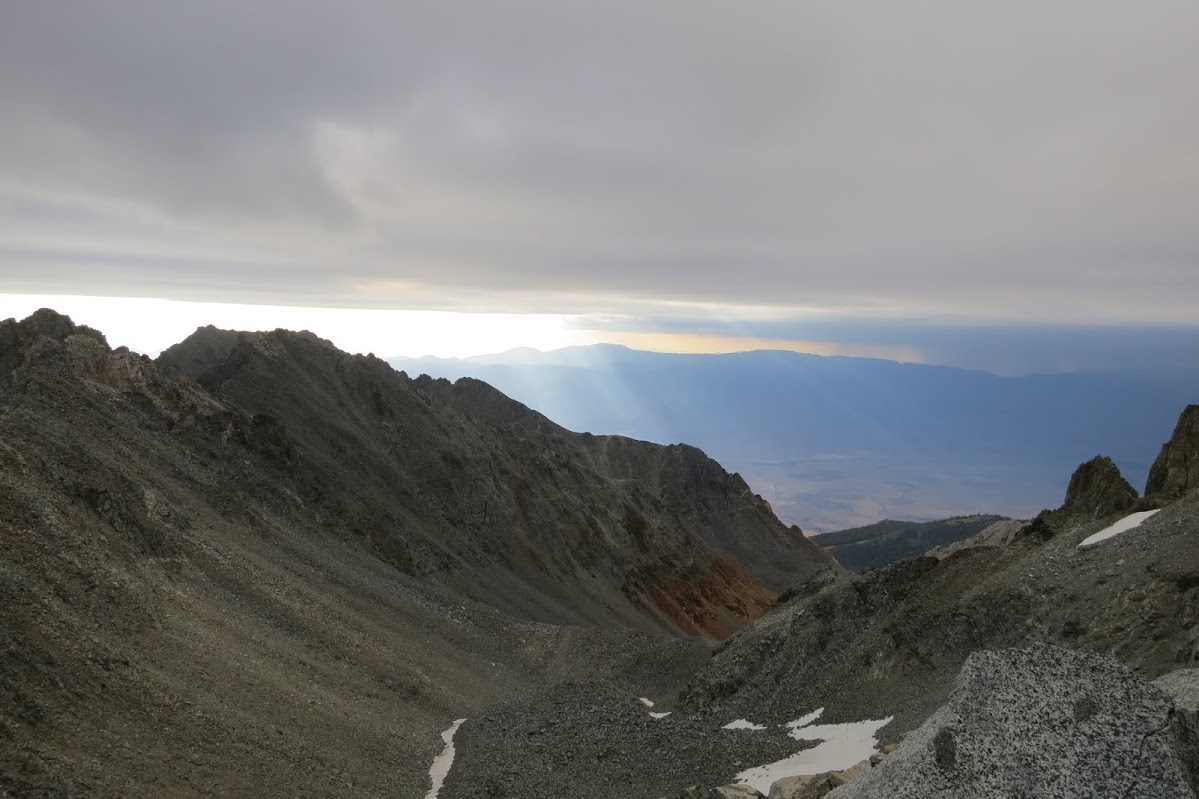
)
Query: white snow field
[
  {"x": 1130, "y": 522},
  {"x": 743, "y": 724},
  {"x": 842, "y": 746},
  {"x": 441, "y": 763}
]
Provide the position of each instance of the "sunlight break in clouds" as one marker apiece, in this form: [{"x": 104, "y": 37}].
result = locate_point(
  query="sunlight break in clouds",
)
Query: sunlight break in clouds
[
  {"x": 151, "y": 325},
  {"x": 704, "y": 343},
  {"x": 998, "y": 162}
]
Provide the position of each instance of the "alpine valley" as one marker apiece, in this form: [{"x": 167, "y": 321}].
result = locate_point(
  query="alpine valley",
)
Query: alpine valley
[{"x": 259, "y": 566}]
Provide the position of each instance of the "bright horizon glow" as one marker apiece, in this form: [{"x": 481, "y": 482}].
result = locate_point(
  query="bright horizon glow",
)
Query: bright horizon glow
[
  {"x": 696, "y": 343},
  {"x": 149, "y": 325}
]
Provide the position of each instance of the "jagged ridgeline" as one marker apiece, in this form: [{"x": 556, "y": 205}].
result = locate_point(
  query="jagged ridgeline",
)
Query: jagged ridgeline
[
  {"x": 260, "y": 566},
  {"x": 458, "y": 482},
  {"x": 260, "y": 561}
]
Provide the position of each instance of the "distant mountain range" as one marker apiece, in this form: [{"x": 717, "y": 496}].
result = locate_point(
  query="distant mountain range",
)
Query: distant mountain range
[
  {"x": 888, "y": 541},
  {"x": 836, "y": 442}
]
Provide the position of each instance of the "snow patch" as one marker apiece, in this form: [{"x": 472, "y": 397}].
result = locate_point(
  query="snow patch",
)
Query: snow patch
[
  {"x": 441, "y": 763},
  {"x": 1130, "y": 522},
  {"x": 842, "y": 746},
  {"x": 804, "y": 721},
  {"x": 743, "y": 724}
]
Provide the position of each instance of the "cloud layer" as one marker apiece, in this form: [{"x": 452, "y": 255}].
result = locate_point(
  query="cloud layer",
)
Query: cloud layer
[{"x": 1008, "y": 161}]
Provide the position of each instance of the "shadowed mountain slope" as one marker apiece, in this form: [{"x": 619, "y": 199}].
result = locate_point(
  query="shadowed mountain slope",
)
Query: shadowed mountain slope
[
  {"x": 458, "y": 483},
  {"x": 265, "y": 589}
]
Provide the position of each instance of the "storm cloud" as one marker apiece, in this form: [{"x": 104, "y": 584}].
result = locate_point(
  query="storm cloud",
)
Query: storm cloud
[{"x": 1005, "y": 161}]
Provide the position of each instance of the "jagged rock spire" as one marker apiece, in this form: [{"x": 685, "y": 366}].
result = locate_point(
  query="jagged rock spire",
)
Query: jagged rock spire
[
  {"x": 1097, "y": 489},
  {"x": 1176, "y": 470}
]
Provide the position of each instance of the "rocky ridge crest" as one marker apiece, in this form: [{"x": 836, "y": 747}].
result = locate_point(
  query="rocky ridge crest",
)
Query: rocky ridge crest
[
  {"x": 267, "y": 566},
  {"x": 1176, "y": 469}
]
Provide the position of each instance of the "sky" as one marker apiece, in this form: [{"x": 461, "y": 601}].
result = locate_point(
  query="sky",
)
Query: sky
[{"x": 924, "y": 180}]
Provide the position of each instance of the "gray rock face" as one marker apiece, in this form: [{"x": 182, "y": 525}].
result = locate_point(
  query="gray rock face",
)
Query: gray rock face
[
  {"x": 811, "y": 787},
  {"x": 1183, "y": 687},
  {"x": 17, "y": 338},
  {"x": 1097, "y": 490},
  {"x": 735, "y": 792},
  {"x": 1037, "y": 722},
  {"x": 998, "y": 534},
  {"x": 1176, "y": 470}
]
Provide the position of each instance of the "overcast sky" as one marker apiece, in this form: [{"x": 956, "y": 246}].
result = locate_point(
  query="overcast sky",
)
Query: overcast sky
[{"x": 977, "y": 163}]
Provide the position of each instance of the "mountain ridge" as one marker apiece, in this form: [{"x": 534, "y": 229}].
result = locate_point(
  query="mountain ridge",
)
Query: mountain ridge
[
  {"x": 889, "y": 540},
  {"x": 256, "y": 371},
  {"x": 836, "y": 442},
  {"x": 211, "y": 584}
]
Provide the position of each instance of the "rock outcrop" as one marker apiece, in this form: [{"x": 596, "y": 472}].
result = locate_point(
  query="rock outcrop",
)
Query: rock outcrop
[
  {"x": 890, "y": 641},
  {"x": 1041, "y": 721},
  {"x": 817, "y": 786},
  {"x": 999, "y": 534},
  {"x": 1098, "y": 490},
  {"x": 1182, "y": 687},
  {"x": 1176, "y": 470},
  {"x": 18, "y": 338}
]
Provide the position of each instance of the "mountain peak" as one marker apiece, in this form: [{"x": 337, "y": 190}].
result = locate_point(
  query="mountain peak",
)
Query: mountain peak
[
  {"x": 1176, "y": 470},
  {"x": 1098, "y": 490}
]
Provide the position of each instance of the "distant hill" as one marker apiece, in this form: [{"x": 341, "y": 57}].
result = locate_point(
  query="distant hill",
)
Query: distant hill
[
  {"x": 836, "y": 442},
  {"x": 885, "y": 542}
]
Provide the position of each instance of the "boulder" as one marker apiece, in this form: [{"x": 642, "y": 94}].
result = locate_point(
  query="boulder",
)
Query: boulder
[
  {"x": 1098, "y": 490},
  {"x": 1176, "y": 470},
  {"x": 999, "y": 534},
  {"x": 739, "y": 791},
  {"x": 1182, "y": 687},
  {"x": 735, "y": 792},
  {"x": 1041, "y": 721},
  {"x": 814, "y": 786}
]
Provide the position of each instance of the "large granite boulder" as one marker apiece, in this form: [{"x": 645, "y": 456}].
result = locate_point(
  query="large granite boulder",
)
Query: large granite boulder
[
  {"x": 1182, "y": 686},
  {"x": 1038, "y": 722}
]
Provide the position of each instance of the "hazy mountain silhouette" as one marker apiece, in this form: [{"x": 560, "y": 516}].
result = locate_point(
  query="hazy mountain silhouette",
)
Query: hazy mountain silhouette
[{"x": 833, "y": 442}]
